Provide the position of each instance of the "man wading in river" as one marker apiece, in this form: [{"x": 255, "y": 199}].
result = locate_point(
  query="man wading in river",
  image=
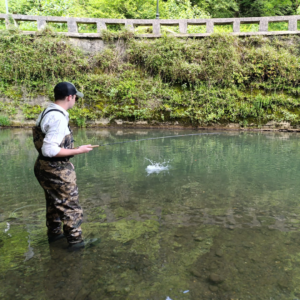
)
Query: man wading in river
[{"x": 53, "y": 140}]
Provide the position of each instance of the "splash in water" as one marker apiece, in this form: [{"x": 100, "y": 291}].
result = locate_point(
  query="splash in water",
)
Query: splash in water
[{"x": 157, "y": 167}]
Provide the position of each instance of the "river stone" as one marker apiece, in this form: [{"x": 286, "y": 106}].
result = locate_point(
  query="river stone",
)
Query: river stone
[
  {"x": 178, "y": 234},
  {"x": 196, "y": 273},
  {"x": 198, "y": 239},
  {"x": 111, "y": 289},
  {"x": 283, "y": 284},
  {"x": 219, "y": 252},
  {"x": 215, "y": 278},
  {"x": 213, "y": 288}
]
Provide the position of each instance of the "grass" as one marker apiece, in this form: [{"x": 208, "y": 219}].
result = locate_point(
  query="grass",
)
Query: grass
[
  {"x": 218, "y": 79},
  {"x": 4, "y": 121}
]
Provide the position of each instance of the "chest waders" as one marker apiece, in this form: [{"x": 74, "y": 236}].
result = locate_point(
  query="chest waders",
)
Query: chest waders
[{"x": 58, "y": 179}]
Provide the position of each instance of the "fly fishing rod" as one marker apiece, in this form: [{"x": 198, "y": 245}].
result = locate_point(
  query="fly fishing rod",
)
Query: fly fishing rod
[{"x": 157, "y": 138}]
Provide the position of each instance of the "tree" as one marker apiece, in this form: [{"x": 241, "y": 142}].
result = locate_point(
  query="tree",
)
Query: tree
[
  {"x": 248, "y": 8},
  {"x": 146, "y": 9},
  {"x": 219, "y": 8},
  {"x": 259, "y": 8}
]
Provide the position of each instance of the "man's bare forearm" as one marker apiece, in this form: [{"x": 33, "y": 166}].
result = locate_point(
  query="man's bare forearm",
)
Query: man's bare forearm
[{"x": 70, "y": 152}]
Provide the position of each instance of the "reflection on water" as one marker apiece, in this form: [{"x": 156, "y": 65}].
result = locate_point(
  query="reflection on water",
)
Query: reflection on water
[{"x": 222, "y": 222}]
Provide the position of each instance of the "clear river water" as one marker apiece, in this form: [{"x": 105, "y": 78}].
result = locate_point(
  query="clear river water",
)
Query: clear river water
[{"x": 214, "y": 216}]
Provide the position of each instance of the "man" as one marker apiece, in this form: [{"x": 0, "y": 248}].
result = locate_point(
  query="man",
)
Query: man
[{"x": 53, "y": 140}]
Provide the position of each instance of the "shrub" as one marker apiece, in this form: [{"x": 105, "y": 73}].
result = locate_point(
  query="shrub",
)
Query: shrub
[{"x": 4, "y": 121}]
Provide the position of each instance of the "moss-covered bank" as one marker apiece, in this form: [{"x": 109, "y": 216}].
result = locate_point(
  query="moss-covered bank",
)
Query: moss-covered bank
[{"x": 215, "y": 81}]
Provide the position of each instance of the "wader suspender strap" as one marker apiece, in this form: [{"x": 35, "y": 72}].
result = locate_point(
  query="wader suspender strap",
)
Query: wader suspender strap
[
  {"x": 52, "y": 158},
  {"x": 44, "y": 114}
]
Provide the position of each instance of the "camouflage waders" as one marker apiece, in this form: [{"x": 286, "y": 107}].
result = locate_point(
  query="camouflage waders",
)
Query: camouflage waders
[{"x": 58, "y": 179}]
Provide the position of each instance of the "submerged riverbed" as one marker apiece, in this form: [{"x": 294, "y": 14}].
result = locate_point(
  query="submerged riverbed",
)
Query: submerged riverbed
[{"x": 219, "y": 220}]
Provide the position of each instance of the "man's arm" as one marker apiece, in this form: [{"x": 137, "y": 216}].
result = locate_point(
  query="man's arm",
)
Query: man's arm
[
  {"x": 55, "y": 126},
  {"x": 69, "y": 152}
]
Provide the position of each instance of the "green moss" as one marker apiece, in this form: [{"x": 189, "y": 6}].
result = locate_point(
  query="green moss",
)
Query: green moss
[
  {"x": 217, "y": 80},
  {"x": 128, "y": 230},
  {"x": 31, "y": 112},
  {"x": 4, "y": 121},
  {"x": 16, "y": 247}
]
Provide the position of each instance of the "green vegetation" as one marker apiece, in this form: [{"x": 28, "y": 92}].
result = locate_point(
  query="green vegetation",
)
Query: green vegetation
[
  {"x": 215, "y": 80},
  {"x": 4, "y": 121},
  {"x": 146, "y": 9}
]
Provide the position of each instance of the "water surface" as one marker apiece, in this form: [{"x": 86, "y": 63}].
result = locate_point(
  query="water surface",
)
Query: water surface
[{"x": 221, "y": 221}]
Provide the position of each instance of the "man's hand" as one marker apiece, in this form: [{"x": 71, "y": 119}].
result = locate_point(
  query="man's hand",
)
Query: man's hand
[{"x": 84, "y": 149}]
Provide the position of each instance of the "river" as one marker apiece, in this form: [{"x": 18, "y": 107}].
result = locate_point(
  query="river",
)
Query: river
[{"x": 220, "y": 218}]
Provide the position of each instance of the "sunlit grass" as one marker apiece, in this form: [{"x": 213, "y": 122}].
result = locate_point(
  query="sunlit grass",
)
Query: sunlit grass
[
  {"x": 196, "y": 29},
  {"x": 169, "y": 29},
  {"x": 115, "y": 27},
  {"x": 87, "y": 28},
  {"x": 2, "y": 25},
  {"x": 278, "y": 26},
  {"x": 27, "y": 25},
  {"x": 249, "y": 27},
  {"x": 58, "y": 27},
  {"x": 143, "y": 29},
  {"x": 223, "y": 28}
]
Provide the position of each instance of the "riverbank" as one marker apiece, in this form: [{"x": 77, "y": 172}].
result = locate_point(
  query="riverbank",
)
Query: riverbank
[
  {"x": 271, "y": 126},
  {"x": 218, "y": 82}
]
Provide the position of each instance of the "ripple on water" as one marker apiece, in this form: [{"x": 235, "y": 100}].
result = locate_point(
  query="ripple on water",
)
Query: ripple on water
[{"x": 223, "y": 224}]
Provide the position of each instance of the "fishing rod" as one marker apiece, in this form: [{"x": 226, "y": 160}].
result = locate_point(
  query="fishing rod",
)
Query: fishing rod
[{"x": 157, "y": 138}]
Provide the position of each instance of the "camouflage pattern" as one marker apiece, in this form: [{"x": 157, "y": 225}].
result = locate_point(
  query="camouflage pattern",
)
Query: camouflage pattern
[{"x": 58, "y": 179}]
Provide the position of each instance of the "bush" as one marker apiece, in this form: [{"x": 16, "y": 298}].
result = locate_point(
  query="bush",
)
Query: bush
[
  {"x": 4, "y": 121},
  {"x": 218, "y": 79}
]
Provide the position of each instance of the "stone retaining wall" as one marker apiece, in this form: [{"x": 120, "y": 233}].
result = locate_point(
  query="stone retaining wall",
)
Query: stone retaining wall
[{"x": 20, "y": 121}]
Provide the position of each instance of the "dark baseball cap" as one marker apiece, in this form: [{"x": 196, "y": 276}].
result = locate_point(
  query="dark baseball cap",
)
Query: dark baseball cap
[{"x": 64, "y": 89}]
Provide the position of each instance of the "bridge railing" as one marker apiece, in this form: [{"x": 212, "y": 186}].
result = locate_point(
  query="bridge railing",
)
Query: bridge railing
[{"x": 72, "y": 24}]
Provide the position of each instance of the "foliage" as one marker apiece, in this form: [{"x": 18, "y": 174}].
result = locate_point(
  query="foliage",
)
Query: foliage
[
  {"x": 8, "y": 108},
  {"x": 222, "y": 60},
  {"x": 39, "y": 61},
  {"x": 124, "y": 34},
  {"x": 146, "y": 9},
  {"x": 215, "y": 80},
  {"x": 79, "y": 114},
  {"x": 4, "y": 121},
  {"x": 31, "y": 112},
  {"x": 184, "y": 9}
]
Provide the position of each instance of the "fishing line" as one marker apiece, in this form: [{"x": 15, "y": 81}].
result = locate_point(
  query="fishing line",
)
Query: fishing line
[{"x": 157, "y": 138}]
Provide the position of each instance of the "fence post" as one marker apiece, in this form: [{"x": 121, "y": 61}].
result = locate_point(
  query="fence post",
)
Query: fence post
[
  {"x": 72, "y": 26},
  {"x": 293, "y": 24},
  {"x": 41, "y": 24},
  {"x": 183, "y": 26},
  {"x": 129, "y": 25},
  {"x": 100, "y": 26},
  {"x": 209, "y": 26},
  {"x": 263, "y": 25},
  {"x": 156, "y": 27},
  {"x": 237, "y": 26}
]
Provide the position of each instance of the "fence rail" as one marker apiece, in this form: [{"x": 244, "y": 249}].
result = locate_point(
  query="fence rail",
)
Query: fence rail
[{"x": 72, "y": 24}]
